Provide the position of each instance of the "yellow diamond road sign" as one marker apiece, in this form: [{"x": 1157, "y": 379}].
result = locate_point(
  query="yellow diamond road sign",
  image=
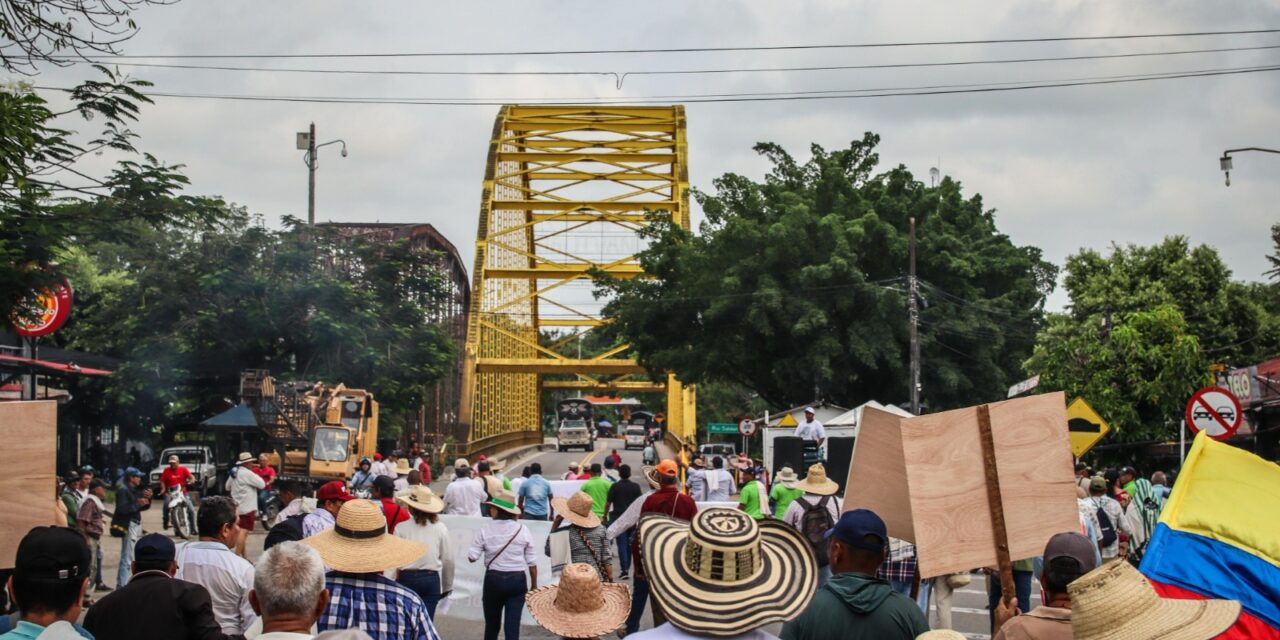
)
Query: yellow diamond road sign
[{"x": 1085, "y": 425}]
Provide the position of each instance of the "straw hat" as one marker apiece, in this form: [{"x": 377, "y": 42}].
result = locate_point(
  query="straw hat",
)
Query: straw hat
[
  {"x": 497, "y": 465},
  {"x": 359, "y": 542},
  {"x": 421, "y": 498},
  {"x": 245, "y": 457},
  {"x": 504, "y": 500},
  {"x": 942, "y": 634},
  {"x": 492, "y": 485},
  {"x": 461, "y": 463},
  {"x": 699, "y": 463},
  {"x": 580, "y": 606},
  {"x": 725, "y": 574},
  {"x": 402, "y": 467},
  {"x": 817, "y": 482},
  {"x": 787, "y": 476},
  {"x": 1115, "y": 602},
  {"x": 577, "y": 509},
  {"x": 651, "y": 476}
]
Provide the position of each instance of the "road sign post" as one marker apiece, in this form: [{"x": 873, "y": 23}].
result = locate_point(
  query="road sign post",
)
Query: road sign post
[
  {"x": 1215, "y": 411},
  {"x": 1085, "y": 426}
]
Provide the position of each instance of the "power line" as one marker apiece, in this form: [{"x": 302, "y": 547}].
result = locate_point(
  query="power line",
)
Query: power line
[
  {"x": 712, "y": 98},
  {"x": 801, "y": 47}
]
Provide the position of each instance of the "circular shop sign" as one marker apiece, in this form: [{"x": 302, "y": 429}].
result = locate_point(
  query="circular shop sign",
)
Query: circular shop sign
[{"x": 45, "y": 313}]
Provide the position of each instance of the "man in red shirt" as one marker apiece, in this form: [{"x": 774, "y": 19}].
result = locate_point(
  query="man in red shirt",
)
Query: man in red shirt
[
  {"x": 176, "y": 475},
  {"x": 666, "y": 501},
  {"x": 384, "y": 492}
]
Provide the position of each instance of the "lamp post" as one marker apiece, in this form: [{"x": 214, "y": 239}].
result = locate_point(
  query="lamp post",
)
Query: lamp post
[
  {"x": 1225, "y": 161},
  {"x": 307, "y": 141}
]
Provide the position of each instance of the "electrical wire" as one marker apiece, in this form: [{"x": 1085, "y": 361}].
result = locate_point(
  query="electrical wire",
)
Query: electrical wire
[{"x": 800, "y": 47}]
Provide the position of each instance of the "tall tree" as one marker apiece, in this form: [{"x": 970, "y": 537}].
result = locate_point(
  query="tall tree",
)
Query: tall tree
[
  {"x": 59, "y": 31},
  {"x": 795, "y": 287}
]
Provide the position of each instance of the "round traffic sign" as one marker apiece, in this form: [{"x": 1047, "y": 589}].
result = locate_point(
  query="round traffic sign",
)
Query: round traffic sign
[
  {"x": 1215, "y": 411},
  {"x": 45, "y": 313},
  {"x": 747, "y": 427}
]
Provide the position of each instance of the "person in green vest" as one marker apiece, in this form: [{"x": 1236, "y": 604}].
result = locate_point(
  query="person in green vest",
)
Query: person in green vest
[
  {"x": 784, "y": 490},
  {"x": 598, "y": 488},
  {"x": 752, "y": 497}
]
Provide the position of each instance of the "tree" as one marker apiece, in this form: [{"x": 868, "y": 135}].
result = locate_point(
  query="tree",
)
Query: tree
[
  {"x": 59, "y": 31},
  {"x": 1274, "y": 257},
  {"x": 795, "y": 288}
]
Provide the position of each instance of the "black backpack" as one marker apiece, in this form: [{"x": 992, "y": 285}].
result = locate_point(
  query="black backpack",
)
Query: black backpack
[
  {"x": 289, "y": 530},
  {"x": 814, "y": 524},
  {"x": 1107, "y": 527}
]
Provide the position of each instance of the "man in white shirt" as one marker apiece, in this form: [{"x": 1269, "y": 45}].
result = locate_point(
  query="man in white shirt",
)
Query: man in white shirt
[
  {"x": 329, "y": 500},
  {"x": 212, "y": 564},
  {"x": 719, "y": 482},
  {"x": 288, "y": 591},
  {"x": 464, "y": 494},
  {"x": 810, "y": 429},
  {"x": 243, "y": 486}
]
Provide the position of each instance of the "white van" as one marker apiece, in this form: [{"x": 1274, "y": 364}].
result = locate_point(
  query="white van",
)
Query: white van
[{"x": 635, "y": 437}]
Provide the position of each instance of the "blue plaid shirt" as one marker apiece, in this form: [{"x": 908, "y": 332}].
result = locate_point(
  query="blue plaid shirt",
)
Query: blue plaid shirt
[{"x": 380, "y": 607}]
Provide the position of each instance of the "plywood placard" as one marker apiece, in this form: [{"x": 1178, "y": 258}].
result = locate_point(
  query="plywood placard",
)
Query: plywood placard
[
  {"x": 878, "y": 474},
  {"x": 29, "y": 431},
  {"x": 947, "y": 487}
]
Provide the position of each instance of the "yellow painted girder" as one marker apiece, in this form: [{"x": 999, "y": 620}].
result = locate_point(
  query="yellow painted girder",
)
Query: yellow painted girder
[
  {"x": 543, "y": 271},
  {"x": 590, "y": 205},
  {"x": 622, "y": 385},
  {"x": 557, "y": 366}
]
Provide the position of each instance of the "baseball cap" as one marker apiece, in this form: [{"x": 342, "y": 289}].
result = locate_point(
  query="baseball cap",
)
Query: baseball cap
[
  {"x": 854, "y": 525},
  {"x": 384, "y": 484},
  {"x": 52, "y": 553},
  {"x": 377, "y": 456},
  {"x": 1072, "y": 545},
  {"x": 131, "y": 472},
  {"x": 1129, "y": 470},
  {"x": 668, "y": 467},
  {"x": 808, "y": 409},
  {"x": 154, "y": 547},
  {"x": 461, "y": 463},
  {"x": 334, "y": 490},
  {"x": 1098, "y": 483}
]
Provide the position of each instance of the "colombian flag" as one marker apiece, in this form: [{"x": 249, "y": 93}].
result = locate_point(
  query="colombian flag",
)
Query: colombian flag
[{"x": 1219, "y": 536}]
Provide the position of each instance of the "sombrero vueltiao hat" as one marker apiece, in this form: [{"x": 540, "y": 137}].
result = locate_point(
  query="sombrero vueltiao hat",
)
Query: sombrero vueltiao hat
[
  {"x": 817, "y": 482},
  {"x": 359, "y": 542},
  {"x": 421, "y": 498},
  {"x": 504, "y": 500},
  {"x": 577, "y": 509},
  {"x": 580, "y": 606},
  {"x": 651, "y": 476},
  {"x": 1115, "y": 602},
  {"x": 725, "y": 573}
]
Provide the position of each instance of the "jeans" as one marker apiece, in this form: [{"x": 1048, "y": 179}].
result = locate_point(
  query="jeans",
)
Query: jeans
[
  {"x": 530, "y": 516},
  {"x": 424, "y": 583},
  {"x": 503, "y": 590},
  {"x": 1021, "y": 582},
  {"x": 95, "y": 546},
  {"x": 624, "y": 550},
  {"x": 922, "y": 598},
  {"x": 901, "y": 586},
  {"x": 639, "y": 594},
  {"x": 126, "y": 553}
]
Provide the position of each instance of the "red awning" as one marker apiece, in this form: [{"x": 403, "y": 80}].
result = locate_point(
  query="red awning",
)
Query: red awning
[{"x": 57, "y": 367}]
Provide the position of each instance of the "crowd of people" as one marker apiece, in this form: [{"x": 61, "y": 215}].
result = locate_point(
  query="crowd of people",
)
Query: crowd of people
[{"x": 378, "y": 564}]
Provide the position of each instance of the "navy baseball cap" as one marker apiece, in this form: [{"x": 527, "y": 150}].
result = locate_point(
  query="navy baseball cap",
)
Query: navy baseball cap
[
  {"x": 154, "y": 547},
  {"x": 384, "y": 484},
  {"x": 132, "y": 472},
  {"x": 855, "y": 525}
]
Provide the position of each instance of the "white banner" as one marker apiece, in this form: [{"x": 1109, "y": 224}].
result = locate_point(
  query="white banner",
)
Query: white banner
[{"x": 468, "y": 577}]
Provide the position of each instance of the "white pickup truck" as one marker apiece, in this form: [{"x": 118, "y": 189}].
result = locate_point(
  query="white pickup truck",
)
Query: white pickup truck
[{"x": 198, "y": 459}]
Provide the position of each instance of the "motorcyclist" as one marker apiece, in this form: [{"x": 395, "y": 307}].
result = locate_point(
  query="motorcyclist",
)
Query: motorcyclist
[
  {"x": 362, "y": 479},
  {"x": 176, "y": 475}
]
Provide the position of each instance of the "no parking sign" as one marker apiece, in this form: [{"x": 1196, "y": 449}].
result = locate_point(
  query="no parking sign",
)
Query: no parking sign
[{"x": 1215, "y": 411}]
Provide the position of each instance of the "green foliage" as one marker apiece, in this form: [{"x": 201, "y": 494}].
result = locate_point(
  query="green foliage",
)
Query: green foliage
[
  {"x": 795, "y": 287},
  {"x": 1274, "y": 256}
]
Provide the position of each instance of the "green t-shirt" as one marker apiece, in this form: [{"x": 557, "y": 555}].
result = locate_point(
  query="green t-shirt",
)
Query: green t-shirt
[
  {"x": 782, "y": 497},
  {"x": 598, "y": 489},
  {"x": 749, "y": 499}
]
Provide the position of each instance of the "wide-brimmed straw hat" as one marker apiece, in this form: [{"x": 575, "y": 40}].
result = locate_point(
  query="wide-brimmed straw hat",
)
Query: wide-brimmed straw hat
[
  {"x": 504, "y": 500},
  {"x": 725, "y": 573},
  {"x": 359, "y": 542},
  {"x": 580, "y": 606},
  {"x": 402, "y": 467},
  {"x": 786, "y": 476},
  {"x": 1115, "y": 602},
  {"x": 245, "y": 457},
  {"x": 650, "y": 474},
  {"x": 817, "y": 482},
  {"x": 420, "y": 497},
  {"x": 577, "y": 509},
  {"x": 497, "y": 465}
]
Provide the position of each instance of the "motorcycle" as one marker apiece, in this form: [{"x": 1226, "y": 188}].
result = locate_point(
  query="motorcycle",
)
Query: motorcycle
[{"x": 180, "y": 510}]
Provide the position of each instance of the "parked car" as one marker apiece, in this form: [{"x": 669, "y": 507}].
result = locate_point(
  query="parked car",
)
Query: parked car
[
  {"x": 198, "y": 459},
  {"x": 713, "y": 449}
]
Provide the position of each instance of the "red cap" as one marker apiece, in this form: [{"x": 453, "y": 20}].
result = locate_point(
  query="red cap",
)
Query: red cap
[
  {"x": 482, "y": 457},
  {"x": 377, "y": 456},
  {"x": 335, "y": 490}
]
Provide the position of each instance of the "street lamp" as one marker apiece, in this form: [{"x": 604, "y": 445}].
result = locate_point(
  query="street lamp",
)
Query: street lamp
[
  {"x": 1225, "y": 161},
  {"x": 307, "y": 141}
]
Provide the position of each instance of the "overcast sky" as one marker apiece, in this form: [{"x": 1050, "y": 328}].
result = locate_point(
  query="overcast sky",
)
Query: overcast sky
[{"x": 1065, "y": 167}]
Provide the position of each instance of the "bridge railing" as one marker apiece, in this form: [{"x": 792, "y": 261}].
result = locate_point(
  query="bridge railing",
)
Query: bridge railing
[{"x": 498, "y": 443}]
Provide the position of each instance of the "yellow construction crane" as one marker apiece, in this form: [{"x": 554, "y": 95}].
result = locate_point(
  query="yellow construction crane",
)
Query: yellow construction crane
[{"x": 566, "y": 191}]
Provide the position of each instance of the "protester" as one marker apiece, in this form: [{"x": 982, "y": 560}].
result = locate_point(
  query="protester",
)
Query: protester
[
  {"x": 1160, "y": 484},
  {"x": 402, "y": 475},
  {"x": 507, "y": 549},
  {"x": 650, "y": 453},
  {"x": 588, "y": 541},
  {"x": 535, "y": 495},
  {"x": 598, "y": 488},
  {"x": 1067, "y": 556},
  {"x": 753, "y": 498},
  {"x": 290, "y": 494},
  {"x": 1023, "y": 573},
  {"x": 498, "y": 468},
  {"x": 176, "y": 475},
  {"x": 329, "y": 500},
  {"x": 424, "y": 467},
  {"x": 516, "y": 483},
  {"x": 357, "y": 550},
  {"x": 572, "y": 473},
  {"x": 1146, "y": 505},
  {"x": 127, "y": 519},
  {"x": 624, "y": 525},
  {"x": 666, "y": 501},
  {"x": 243, "y": 484},
  {"x": 622, "y": 494},
  {"x": 464, "y": 494},
  {"x": 1127, "y": 477},
  {"x": 1115, "y": 602},
  {"x": 362, "y": 479},
  {"x": 384, "y": 493},
  {"x": 86, "y": 482},
  {"x": 90, "y": 521},
  {"x": 173, "y": 608},
  {"x": 696, "y": 479},
  {"x": 814, "y": 513},
  {"x": 492, "y": 484},
  {"x": 1111, "y": 520},
  {"x": 71, "y": 498},
  {"x": 1089, "y": 525},
  {"x": 784, "y": 491},
  {"x": 49, "y": 581},
  {"x": 854, "y": 604},
  {"x": 379, "y": 467},
  {"x": 720, "y": 483},
  {"x": 580, "y": 606},
  {"x": 288, "y": 591},
  {"x": 431, "y": 575},
  {"x": 210, "y": 563},
  {"x": 610, "y": 473},
  {"x": 725, "y": 574},
  {"x": 268, "y": 475}
]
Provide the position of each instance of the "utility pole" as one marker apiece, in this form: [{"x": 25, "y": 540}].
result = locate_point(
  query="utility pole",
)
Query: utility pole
[
  {"x": 914, "y": 308},
  {"x": 311, "y": 176}
]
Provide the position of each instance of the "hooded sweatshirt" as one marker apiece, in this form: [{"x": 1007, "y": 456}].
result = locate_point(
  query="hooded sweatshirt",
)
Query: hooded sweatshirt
[{"x": 856, "y": 606}]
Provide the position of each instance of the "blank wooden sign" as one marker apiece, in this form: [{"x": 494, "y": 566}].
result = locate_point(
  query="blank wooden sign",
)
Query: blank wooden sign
[
  {"x": 878, "y": 474},
  {"x": 29, "y": 432}
]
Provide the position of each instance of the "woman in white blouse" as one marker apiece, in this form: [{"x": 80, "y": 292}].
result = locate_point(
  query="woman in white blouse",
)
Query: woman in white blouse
[
  {"x": 430, "y": 576},
  {"x": 507, "y": 548}
]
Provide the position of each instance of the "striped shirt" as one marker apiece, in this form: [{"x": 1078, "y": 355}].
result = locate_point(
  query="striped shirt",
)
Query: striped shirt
[
  {"x": 380, "y": 607},
  {"x": 598, "y": 539}
]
